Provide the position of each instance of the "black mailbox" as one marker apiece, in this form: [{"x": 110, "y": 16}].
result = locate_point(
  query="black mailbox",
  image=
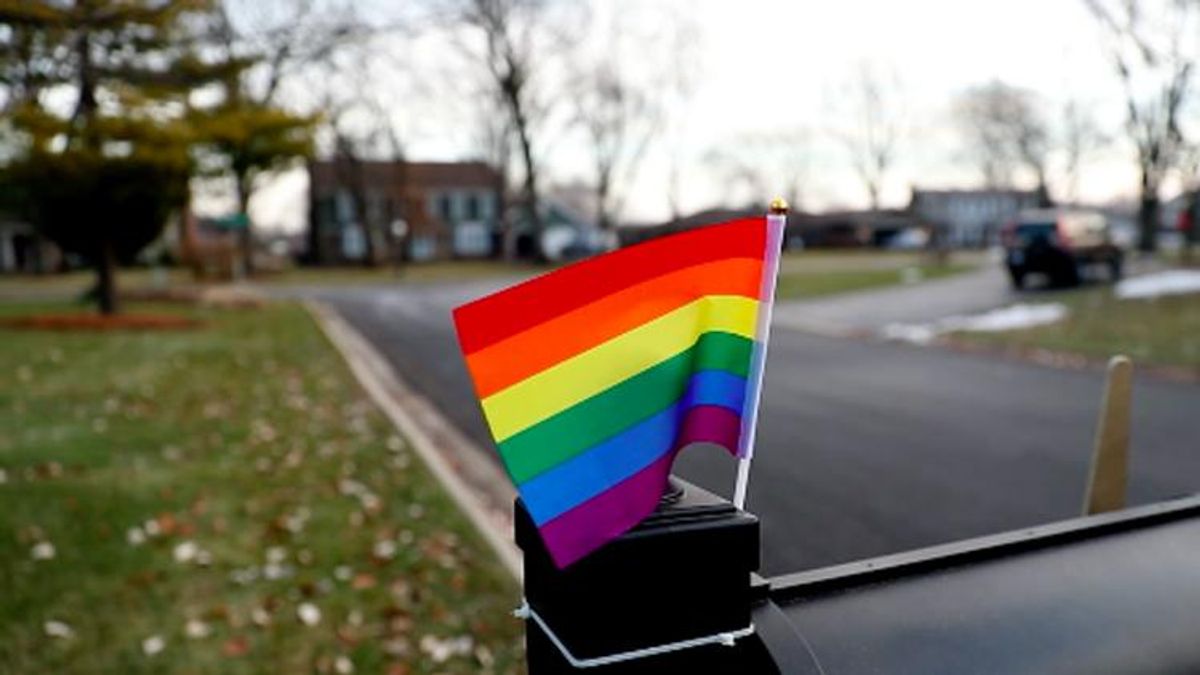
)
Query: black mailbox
[
  {"x": 681, "y": 576},
  {"x": 1114, "y": 593}
]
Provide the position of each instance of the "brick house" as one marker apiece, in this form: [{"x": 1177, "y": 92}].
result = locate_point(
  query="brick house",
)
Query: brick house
[{"x": 415, "y": 210}]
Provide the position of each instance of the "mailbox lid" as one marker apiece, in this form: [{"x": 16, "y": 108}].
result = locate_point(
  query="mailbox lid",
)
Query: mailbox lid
[{"x": 1118, "y": 593}]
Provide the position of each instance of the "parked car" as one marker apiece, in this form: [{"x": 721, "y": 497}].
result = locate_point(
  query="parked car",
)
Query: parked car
[{"x": 1061, "y": 244}]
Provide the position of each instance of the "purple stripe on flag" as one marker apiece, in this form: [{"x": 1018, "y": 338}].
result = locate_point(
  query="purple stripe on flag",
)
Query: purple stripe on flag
[{"x": 610, "y": 514}]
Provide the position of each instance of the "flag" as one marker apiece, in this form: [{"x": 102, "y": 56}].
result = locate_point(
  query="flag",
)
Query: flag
[{"x": 594, "y": 376}]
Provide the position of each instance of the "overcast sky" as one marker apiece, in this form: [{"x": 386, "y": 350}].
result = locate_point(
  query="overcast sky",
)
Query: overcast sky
[{"x": 778, "y": 67}]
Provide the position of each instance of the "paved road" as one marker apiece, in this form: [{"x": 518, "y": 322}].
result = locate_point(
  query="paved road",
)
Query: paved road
[
  {"x": 968, "y": 293},
  {"x": 865, "y": 447}
]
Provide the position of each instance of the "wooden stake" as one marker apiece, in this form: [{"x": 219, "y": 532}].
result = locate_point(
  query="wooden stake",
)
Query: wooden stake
[{"x": 1109, "y": 474}]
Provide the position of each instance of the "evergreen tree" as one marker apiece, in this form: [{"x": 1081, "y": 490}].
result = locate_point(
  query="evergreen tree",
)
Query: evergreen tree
[{"x": 101, "y": 175}]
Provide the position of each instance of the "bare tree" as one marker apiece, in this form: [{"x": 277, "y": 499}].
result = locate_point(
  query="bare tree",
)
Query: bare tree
[
  {"x": 617, "y": 104},
  {"x": 755, "y": 167},
  {"x": 876, "y": 115},
  {"x": 511, "y": 42},
  {"x": 683, "y": 46},
  {"x": 361, "y": 128},
  {"x": 1080, "y": 137},
  {"x": 1004, "y": 128},
  {"x": 618, "y": 119},
  {"x": 283, "y": 37},
  {"x": 1152, "y": 46}
]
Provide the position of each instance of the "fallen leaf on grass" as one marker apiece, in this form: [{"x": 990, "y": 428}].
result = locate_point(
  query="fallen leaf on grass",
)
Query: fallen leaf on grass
[
  {"x": 58, "y": 629},
  {"x": 441, "y": 650},
  {"x": 309, "y": 614},
  {"x": 260, "y": 617},
  {"x": 235, "y": 646},
  {"x": 384, "y": 549},
  {"x": 153, "y": 645},
  {"x": 43, "y": 550},
  {"x": 196, "y": 629}
]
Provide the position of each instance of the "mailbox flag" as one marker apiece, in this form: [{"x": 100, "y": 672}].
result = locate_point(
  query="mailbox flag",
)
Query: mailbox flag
[{"x": 594, "y": 376}]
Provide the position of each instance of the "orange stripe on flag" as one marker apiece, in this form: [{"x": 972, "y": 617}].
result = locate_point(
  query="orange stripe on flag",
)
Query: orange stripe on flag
[{"x": 516, "y": 358}]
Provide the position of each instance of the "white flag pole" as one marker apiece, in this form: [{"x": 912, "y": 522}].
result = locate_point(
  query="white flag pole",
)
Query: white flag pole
[{"x": 776, "y": 223}]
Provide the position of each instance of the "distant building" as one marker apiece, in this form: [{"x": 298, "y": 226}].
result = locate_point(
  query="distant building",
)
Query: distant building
[
  {"x": 832, "y": 229},
  {"x": 567, "y": 231},
  {"x": 847, "y": 229},
  {"x": 969, "y": 217},
  {"x": 417, "y": 210}
]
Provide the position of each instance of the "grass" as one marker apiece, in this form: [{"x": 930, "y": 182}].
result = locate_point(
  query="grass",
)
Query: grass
[
  {"x": 261, "y": 480},
  {"x": 1163, "y": 331},
  {"x": 810, "y": 274},
  {"x": 76, "y": 282}
]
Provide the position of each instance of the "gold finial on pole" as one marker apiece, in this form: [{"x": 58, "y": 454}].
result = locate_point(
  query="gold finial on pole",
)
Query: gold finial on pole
[{"x": 778, "y": 207}]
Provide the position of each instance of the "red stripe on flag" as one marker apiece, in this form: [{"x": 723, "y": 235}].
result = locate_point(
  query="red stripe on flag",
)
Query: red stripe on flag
[{"x": 504, "y": 314}]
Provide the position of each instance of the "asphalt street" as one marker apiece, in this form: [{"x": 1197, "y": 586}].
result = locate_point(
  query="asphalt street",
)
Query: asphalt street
[{"x": 865, "y": 447}]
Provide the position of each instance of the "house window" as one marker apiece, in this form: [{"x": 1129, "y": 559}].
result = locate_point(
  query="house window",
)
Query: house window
[
  {"x": 472, "y": 206},
  {"x": 326, "y": 213},
  {"x": 445, "y": 208}
]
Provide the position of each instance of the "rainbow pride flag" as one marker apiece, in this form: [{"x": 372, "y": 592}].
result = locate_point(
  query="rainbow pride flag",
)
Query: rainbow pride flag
[{"x": 594, "y": 376}]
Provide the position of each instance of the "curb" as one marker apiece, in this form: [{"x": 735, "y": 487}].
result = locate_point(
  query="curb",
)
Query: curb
[{"x": 478, "y": 486}]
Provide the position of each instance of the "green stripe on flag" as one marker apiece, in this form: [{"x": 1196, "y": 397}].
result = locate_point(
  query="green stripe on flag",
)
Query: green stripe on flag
[{"x": 606, "y": 414}]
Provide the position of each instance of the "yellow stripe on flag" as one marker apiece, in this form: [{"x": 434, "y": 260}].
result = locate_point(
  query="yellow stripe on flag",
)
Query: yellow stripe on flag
[{"x": 561, "y": 386}]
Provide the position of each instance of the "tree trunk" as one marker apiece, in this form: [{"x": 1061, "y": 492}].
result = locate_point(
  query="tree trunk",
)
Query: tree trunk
[
  {"x": 603, "y": 217},
  {"x": 358, "y": 194},
  {"x": 246, "y": 236},
  {"x": 1192, "y": 235},
  {"x": 531, "y": 189},
  {"x": 1043, "y": 192},
  {"x": 1148, "y": 216},
  {"x": 106, "y": 279}
]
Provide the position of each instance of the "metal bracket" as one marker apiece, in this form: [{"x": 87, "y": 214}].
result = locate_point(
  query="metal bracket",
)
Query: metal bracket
[{"x": 726, "y": 639}]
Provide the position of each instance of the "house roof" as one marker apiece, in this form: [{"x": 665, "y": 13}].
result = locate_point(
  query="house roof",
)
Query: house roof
[
  {"x": 420, "y": 175},
  {"x": 973, "y": 192}
]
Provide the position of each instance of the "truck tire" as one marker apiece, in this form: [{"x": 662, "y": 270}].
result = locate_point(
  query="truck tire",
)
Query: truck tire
[{"x": 1018, "y": 279}]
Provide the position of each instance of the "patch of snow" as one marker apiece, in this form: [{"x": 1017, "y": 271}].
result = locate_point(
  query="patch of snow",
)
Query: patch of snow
[
  {"x": 1013, "y": 317},
  {"x": 1171, "y": 282}
]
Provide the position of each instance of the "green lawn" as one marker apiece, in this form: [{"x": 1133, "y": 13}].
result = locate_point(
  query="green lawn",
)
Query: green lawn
[
  {"x": 1164, "y": 331},
  {"x": 226, "y": 500},
  {"x": 809, "y": 274},
  {"x": 449, "y": 270}
]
